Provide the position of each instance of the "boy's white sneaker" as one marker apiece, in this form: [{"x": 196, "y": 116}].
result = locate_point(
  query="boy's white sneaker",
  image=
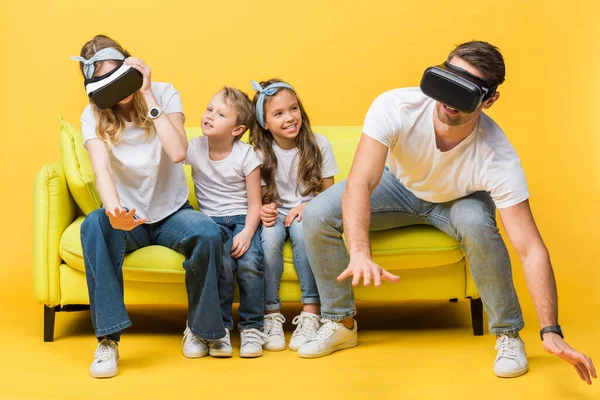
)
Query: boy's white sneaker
[
  {"x": 273, "y": 328},
  {"x": 511, "y": 360},
  {"x": 307, "y": 325},
  {"x": 252, "y": 341},
  {"x": 106, "y": 359},
  {"x": 331, "y": 336}
]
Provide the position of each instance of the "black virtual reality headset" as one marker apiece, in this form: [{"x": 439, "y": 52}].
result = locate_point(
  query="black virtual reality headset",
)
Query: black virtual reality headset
[
  {"x": 109, "y": 89},
  {"x": 455, "y": 87}
]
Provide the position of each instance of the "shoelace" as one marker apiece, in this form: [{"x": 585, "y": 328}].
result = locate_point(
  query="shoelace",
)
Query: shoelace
[
  {"x": 274, "y": 324},
  {"x": 105, "y": 352},
  {"x": 508, "y": 347},
  {"x": 307, "y": 324},
  {"x": 254, "y": 336},
  {"x": 326, "y": 330}
]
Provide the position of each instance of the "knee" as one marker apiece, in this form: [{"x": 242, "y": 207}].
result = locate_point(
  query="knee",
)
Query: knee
[
  {"x": 207, "y": 235},
  {"x": 325, "y": 208},
  {"x": 96, "y": 220},
  {"x": 474, "y": 222}
]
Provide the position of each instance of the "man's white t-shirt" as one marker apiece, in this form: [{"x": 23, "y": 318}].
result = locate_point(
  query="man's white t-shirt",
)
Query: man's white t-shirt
[
  {"x": 220, "y": 186},
  {"x": 145, "y": 177},
  {"x": 402, "y": 120},
  {"x": 286, "y": 175}
]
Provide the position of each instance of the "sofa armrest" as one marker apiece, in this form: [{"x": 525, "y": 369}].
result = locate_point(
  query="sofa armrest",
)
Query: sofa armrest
[{"x": 53, "y": 211}]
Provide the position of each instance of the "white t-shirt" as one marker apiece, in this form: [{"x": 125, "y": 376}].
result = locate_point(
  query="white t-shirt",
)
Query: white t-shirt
[
  {"x": 402, "y": 119},
  {"x": 286, "y": 175},
  {"x": 145, "y": 177},
  {"x": 221, "y": 185}
]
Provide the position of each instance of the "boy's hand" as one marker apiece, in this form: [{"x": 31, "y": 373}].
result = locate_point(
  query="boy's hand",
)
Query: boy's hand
[
  {"x": 294, "y": 212},
  {"x": 241, "y": 243},
  {"x": 123, "y": 220},
  {"x": 268, "y": 214}
]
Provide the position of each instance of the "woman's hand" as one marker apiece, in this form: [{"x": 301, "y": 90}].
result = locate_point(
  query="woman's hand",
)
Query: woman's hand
[
  {"x": 123, "y": 220},
  {"x": 144, "y": 70}
]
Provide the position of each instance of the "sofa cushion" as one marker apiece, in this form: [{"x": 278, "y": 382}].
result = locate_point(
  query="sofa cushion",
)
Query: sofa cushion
[
  {"x": 402, "y": 248},
  {"x": 78, "y": 168}
]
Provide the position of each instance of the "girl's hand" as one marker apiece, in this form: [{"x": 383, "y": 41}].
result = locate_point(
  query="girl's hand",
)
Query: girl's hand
[
  {"x": 144, "y": 70},
  {"x": 123, "y": 220},
  {"x": 294, "y": 212},
  {"x": 241, "y": 243},
  {"x": 268, "y": 214}
]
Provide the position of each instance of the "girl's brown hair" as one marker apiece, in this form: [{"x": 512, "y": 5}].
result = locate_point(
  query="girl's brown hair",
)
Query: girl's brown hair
[
  {"x": 311, "y": 159},
  {"x": 110, "y": 124}
]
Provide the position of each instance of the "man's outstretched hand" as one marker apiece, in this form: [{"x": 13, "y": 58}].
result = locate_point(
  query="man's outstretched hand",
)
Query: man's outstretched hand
[
  {"x": 363, "y": 266},
  {"x": 584, "y": 366}
]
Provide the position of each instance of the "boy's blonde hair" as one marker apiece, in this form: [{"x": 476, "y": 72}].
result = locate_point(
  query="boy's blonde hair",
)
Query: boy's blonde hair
[{"x": 244, "y": 109}]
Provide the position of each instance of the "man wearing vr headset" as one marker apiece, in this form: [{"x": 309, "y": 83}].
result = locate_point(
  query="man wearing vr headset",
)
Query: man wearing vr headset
[{"x": 450, "y": 166}]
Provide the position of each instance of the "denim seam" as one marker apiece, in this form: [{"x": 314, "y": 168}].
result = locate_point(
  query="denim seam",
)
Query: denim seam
[
  {"x": 252, "y": 326},
  {"x": 113, "y": 329},
  {"x": 342, "y": 317},
  {"x": 206, "y": 335}
]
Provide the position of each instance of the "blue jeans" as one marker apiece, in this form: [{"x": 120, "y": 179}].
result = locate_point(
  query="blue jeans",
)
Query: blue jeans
[
  {"x": 248, "y": 270},
  {"x": 273, "y": 238},
  {"x": 186, "y": 231},
  {"x": 470, "y": 220}
]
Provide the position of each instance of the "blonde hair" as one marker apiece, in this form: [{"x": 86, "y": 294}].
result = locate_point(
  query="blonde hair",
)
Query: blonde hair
[
  {"x": 244, "y": 109},
  {"x": 109, "y": 123},
  {"x": 311, "y": 159}
]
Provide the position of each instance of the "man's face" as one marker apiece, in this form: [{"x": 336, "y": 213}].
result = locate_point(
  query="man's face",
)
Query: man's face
[{"x": 451, "y": 116}]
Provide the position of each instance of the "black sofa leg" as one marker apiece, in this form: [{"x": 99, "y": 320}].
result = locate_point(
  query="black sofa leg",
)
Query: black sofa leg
[
  {"x": 477, "y": 316},
  {"x": 49, "y": 314}
]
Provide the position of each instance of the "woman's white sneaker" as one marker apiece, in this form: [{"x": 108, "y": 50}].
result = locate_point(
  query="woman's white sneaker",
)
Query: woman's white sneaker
[
  {"x": 331, "y": 336},
  {"x": 511, "y": 360},
  {"x": 193, "y": 346},
  {"x": 307, "y": 325},
  {"x": 220, "y": 348},
  {"x": 106, "y": 359},
  {"x": 252, "y": 341},
  {"x": 273, "y": 328}
]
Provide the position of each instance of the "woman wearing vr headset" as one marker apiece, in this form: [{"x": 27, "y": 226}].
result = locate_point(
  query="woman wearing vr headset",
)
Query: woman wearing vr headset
[
  {"x": 450, "y": 166},
  {"x": 133, "y": 131}
]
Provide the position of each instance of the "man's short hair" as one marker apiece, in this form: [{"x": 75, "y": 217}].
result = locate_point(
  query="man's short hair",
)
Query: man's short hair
[{"x": 483, "y": 56}]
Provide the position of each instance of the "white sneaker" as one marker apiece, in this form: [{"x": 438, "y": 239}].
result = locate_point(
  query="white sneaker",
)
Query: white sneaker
[
  {"x": 274, "y": 329},
  {"x": 331, "y": 336},
  {"x": 220, "y": 347},
  {"x": 511, "y": 360},
  {"x": 252, "y": 342},
  {"x": 106, "y": 359},
  {"x": 307, "y": 326},
  {"x": 192, "y": 346}
]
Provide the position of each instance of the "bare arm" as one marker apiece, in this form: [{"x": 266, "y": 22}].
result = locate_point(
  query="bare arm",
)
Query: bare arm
[
  {"x": 365, "y": 175},
  {"x": 105, "y": 183},
  {"x": 526, "y": 239},
  {"x": 254, "y": 200}
]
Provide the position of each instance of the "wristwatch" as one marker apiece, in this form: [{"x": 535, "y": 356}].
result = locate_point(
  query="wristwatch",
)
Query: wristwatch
[
  {"x": 551, "y": 328},
  {"x": 154, "y": 112}
]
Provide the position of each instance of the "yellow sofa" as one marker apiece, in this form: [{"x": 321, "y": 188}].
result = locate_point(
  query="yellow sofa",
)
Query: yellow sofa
[{"x": 431, "y": 264}]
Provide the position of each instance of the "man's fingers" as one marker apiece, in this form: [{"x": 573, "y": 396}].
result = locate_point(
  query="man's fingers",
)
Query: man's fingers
[
  {"x": 579, "y": 371},
  {"x": 356, "y": 278},
  {"x": 588, "y": 365},
  {"x": 366, "y": 278},
  {"x": 377, "y": 279},
  {"x": 389, "y": 277},
  {"x": 347, "y": 272}
]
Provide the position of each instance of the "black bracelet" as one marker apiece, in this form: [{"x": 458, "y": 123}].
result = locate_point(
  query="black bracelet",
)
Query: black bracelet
[{"x": 551, "y": 328}]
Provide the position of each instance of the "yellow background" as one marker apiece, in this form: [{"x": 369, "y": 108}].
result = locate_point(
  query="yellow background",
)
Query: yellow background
[{"x": 339, "y": 55}]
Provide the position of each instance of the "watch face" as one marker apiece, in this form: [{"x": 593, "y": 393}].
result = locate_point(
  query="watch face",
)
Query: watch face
[{"x": 154, "y": 112}]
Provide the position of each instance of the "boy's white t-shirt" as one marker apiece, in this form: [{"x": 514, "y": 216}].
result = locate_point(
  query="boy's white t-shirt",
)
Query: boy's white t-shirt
[
  {"x": 145, "y": 177},
  {"x": 220, "y": 186},
  {"x": 402, "y": 120},
  {"x": 286, "y": 175}
]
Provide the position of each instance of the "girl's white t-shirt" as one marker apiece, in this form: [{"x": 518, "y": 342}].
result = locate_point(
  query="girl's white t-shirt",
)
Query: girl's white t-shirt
[
  {"x": 286, "y": 175},
  {"x": 402, "y": 120},
  {"x": 145, "y": 177}
]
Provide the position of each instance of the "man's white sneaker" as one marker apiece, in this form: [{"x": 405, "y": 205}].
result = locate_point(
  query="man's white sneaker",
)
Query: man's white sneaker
[
  {"x": 331, "y": 336},
  {"x": 106, "y": 359},
  {"x": 252, "y": 342},
  {"x": 511, "y": 360},
  {"x": 274, "y": 329},
  {"x": 192, "y": 346},
  {"x": 220, "y": 347},
  {"x": 307, "y": 325}
]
